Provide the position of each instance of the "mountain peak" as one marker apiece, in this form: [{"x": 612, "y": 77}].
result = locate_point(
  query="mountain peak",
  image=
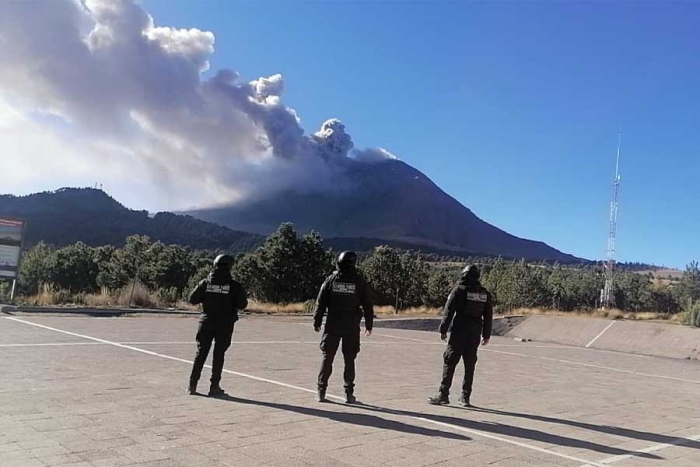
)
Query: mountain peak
[
  {"x": 385, "y": 200},
  {"x": 90, "y": 199},
  {"x": 91, "y": 216}
]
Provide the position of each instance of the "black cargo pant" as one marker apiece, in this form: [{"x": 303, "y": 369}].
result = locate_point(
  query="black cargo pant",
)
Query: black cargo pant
[
  {"x": 350, "y": 348},
  {"x": 220, "y": 331},
  {"x": 460, "y": 347}
]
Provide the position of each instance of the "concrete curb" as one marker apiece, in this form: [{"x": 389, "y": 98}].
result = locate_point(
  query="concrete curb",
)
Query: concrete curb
[
  {"x": 85, "y": 311},
  {"x": 7, "y": 309},
  {"x": 501, "y": 325},
  {"x": 632, "y": 337},
  {"x": 414, "y": 324}
]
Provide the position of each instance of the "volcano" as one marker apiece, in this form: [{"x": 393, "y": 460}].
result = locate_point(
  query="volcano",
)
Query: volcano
[{"x": 387, "y": 200}]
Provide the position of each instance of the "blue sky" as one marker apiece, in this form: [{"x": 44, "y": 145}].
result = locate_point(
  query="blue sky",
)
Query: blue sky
[{"x": 512, "y": 108}]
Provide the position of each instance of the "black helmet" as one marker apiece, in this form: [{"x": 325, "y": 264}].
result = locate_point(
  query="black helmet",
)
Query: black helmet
[
  {"x": 347, "y": 260},
  {"x": 223, "y": 262},
  {"x": 471, "y": 272}
]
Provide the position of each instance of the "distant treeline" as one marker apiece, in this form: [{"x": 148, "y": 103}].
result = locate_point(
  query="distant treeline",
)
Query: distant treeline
[{"x": 289, "y": 268}]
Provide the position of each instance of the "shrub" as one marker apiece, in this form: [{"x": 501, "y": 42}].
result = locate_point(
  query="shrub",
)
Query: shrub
[
  {"x": 141, "y": 298},
  {"x": 99, "y": 300},
  {"x": 5, "y": 291},
  {"x": 167, "y": 296},
  {"x": 694, "y": 315}
]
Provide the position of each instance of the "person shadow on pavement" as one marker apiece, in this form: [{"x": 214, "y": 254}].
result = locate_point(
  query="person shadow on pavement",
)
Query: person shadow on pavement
[
  {"x": 509, "y": 430},
  {"x": 361, "y": 419},
  {"x": 606, "y": 429},
  {"x": 499, "y": 429}
]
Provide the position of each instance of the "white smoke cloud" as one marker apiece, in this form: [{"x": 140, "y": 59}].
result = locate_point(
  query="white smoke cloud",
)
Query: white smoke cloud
[
  {"x": 372, "y": 155},
  {"x": 332, "y": 141},
  {"x": 94, "y": 90}
]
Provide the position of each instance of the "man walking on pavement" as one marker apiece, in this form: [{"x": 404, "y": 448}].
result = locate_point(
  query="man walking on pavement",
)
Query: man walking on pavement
[
  {"x": 344, "y": 297},
  {"x": 221, "y": 298},
  {"x": 470, "y": 304}
]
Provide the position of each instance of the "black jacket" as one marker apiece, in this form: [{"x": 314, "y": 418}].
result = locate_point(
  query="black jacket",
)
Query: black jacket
[
  {"x": 471, "y": 306},
  {"x": 344, "y": 296},
  {"x": 220, "y": 295}
]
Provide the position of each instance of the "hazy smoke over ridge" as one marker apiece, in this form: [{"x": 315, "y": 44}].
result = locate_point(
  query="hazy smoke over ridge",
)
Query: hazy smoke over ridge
[{"x": 93, "y": 87}]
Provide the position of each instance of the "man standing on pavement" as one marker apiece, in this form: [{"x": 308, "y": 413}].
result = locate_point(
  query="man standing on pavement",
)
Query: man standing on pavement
[
  {"x": 221, "y": 298},
  {"x": 470, "y": 305},
  {"x": 344, "y": 297}
]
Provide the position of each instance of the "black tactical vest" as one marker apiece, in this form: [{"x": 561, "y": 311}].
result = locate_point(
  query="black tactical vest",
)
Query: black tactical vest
[
  {"x": 475, "y": 301},
  {"x": 344, "y": 313},
  {"x": 219, "y": 296}
]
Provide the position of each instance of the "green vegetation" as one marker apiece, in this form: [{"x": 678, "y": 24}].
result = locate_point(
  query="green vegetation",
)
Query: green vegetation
[
  {"x": 54, "y": 217},
  {"x": 694, "y": 315},
  {"x": 288, "y": 268}
]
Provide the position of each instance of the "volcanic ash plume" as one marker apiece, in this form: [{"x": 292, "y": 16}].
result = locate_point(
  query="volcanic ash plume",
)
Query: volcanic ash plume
[{"x": 94, "y": 89}]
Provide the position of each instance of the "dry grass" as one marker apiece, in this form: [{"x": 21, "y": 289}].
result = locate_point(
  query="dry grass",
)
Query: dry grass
[
  {"x": 416, "y": 311},
  {"x": 606, "y": 314},
  {"x": 100, "y": 300},
  {"x": 270, "y": 308},
  {"x": 307, "y": 307},
  {"x": 301, "y": 308},
  {"x": 141, "y": 298},
  {"x": 680, "y": 318},
  {"x": 183, "y": 305},
  {"x": 45, "y": 297},
  {"x": 645, "y": 316},
  {"x": 683, "y": 318},
  {"x": 609, "y": 314}
]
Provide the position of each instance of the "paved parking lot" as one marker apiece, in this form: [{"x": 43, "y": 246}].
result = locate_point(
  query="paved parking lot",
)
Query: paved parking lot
[{"x": 104, "y": 392}]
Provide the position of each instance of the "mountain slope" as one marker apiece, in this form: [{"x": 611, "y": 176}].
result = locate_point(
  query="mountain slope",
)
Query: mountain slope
[
  {"x": 389, "y": 200},
  {"x": 93, "y": 217}
]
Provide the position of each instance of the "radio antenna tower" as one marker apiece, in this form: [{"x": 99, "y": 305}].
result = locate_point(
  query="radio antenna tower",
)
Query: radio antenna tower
[{"x": 607, "y": 295}]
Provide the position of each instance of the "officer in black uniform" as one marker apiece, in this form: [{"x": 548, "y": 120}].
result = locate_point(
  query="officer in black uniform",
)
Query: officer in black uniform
[
  {"x": 470, "y": 304},
  {"x": 344, "y": 296},
  {"x": 221, "y": 297}
]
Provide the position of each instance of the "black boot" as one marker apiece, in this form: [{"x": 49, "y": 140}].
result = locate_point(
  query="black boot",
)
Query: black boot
[
  {"x": 192, "y": 389},
  {"x": 216, "y": 391},
  {"x": 440, "y": 399},
  {"x": 464, "y": 401},
  {"x": 350, "y": 398},
  {"x": 321, "y": 396}
]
